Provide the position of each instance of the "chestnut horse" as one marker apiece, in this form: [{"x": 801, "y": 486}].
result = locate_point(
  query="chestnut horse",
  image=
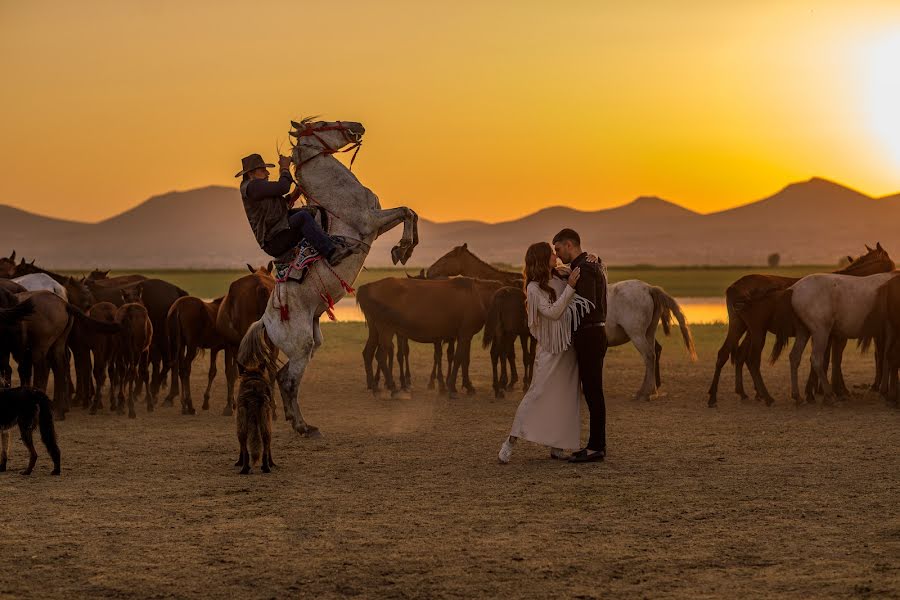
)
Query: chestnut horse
[
  {"x": 132, "y": 356},
  {"x": 8, "y": 266},
  {"x": 244, "y": 303},
  {"x": 426, "y": 311},
  {"x": 884, "y": 322},
  {"x": 461, "y": 261},
  {"x": 507, "y": 320},
  {"x": 191, "y": 327},
  {"x": 751, "y": 302}
]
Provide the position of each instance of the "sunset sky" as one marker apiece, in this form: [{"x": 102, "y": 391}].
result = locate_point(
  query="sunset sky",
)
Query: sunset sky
[{"x": 474, "y": 109}]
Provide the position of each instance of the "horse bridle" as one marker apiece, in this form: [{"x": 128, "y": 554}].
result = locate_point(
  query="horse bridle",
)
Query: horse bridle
[{"x": 354, "y": 141}]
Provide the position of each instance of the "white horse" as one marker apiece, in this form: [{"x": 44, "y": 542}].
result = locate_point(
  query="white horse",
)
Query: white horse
[
  {"x": 355, "y": 213},
  {"x": 820, "y": 307},
  {"x": 634, "y": 309},
  {"x": 41, "y": 281}
]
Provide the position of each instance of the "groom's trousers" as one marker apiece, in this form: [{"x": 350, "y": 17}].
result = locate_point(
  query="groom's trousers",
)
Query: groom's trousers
[{"x": 590, "y": 347}]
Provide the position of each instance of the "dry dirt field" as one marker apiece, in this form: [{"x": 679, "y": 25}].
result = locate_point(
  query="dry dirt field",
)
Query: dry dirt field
[{"x": 404, "y": 498}]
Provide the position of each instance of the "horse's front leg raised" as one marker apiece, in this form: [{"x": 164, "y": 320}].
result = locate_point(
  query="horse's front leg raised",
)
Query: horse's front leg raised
[{"x": 383, "y": 221}]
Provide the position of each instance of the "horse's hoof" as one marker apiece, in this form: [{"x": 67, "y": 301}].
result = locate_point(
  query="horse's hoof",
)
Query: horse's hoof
[
  {"x": 3, "y": 468},
  {"x": 25, "y": 472},
  {"x": 132, "y": 415},
  {"x": 312, "y": 433},
  {"x": 498, "y": 394},
  {"x": 454, "y": 395},
  {"x": 377, "y": 394},
  {"x": 769, "y": 400},
  {"x": 245, "y": 471},
  {"x": 266, "y": 469},
  {"x": 55, "y": 472},
  {"x": 712, "y": 402}
]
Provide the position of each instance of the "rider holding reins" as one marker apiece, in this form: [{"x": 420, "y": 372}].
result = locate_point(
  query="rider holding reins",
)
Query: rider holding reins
[{"x": 276, "y": 225}]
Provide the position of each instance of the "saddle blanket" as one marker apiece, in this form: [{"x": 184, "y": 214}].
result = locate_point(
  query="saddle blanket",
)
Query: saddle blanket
[{"x": 297, "y": 268}]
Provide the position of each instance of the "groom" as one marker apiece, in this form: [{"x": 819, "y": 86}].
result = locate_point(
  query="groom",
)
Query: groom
[{"x": 589, "y": 340}]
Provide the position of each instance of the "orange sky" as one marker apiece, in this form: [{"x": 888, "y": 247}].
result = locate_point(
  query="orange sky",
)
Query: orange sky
[{"x": 473, "y": 109}]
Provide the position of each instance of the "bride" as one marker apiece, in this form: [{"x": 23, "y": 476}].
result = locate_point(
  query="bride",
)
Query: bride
[{"x": 549, "y": 414}]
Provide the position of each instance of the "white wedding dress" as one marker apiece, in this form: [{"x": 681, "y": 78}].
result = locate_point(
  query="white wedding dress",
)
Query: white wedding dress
[{"x": 550, "y": 412}]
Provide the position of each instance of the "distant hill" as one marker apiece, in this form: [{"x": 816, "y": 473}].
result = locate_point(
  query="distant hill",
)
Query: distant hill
[{"x": 815, "y": 221}]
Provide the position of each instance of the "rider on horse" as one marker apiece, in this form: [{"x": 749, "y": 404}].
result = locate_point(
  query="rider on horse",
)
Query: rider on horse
[{"x": 278, "y": 227}]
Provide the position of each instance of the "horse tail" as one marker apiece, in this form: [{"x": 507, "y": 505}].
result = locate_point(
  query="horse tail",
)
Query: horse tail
[
  {"x": 783, "y": 323},
  {"x": 256, "y": 348},
  {"x": 873, "y": 326},
  {"x": 492, "y": 324},
  {"x": 666, "y": 306},
  {"x": 48, "y": 431},
  {"x": 14, "y": 314},
  {"x": 92, "y": 324}
]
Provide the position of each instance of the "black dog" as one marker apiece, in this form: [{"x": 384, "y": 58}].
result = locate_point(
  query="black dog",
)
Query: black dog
[{"x": 30, "y": 409}]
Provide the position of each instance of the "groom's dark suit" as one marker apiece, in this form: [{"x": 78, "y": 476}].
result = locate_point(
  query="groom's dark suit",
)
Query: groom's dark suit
[{"x": 590, "y": 346}]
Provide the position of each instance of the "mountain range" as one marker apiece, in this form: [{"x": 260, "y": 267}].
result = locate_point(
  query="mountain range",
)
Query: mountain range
[{"x": 810, "y": 222}]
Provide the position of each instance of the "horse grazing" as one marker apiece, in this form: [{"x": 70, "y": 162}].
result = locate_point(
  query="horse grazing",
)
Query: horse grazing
[
  {"x": 191, "y": 327},
  {"x": 820, "y": 307},
  {"x": 461, "y": 261},
  {"x": 132, "y": 356},
  {"x": 507, "y": 320},
  {"x": 244, "y": 304},
  {"x": 883, "y": 323},
  {"x": 254, "y": 420},
  {"x": 356, "y": 214},
  {"x": 29, "y": 408},
  {"x": 428, "y": 311},
  {"x": 751, "y": 305}
]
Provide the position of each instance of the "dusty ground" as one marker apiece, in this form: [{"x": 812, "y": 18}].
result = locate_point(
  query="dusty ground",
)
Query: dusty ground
[{"x": 404, "y": 498}]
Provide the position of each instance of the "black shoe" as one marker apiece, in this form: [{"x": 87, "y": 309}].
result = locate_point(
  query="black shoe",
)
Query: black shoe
[
  {"x": 581, "y": 452},
  {"x": 340, "y": 253},
  {"x": 588, "y": 456}
]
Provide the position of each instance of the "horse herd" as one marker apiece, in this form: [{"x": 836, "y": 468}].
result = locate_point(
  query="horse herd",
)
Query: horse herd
[
  {"x": 141, "y": 333},
  {"x": 133, "y": 330}
]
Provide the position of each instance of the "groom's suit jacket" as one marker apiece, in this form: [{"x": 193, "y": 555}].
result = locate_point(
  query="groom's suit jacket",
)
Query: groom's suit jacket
[{"x": 591, "y": 285}]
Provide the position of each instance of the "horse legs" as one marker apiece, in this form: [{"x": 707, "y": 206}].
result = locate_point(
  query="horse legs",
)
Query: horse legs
[
  {"x": 230, "y": 378},
  {"x": 736, "y": 329},
  {"x": 143, "y": 377},
  {"x": 754, "y": 361},
  {"x": 210, "y": 377},
  {"x": 59, "y": 364},
  {"x": 837, "y": 373},
  {"x": 645, "y": 346},
  {"x": 436, "y": 365},
  {"x": 289, "y": 378},
  {"x": 460, "y": 359},
  {"x": 368, "y": 355},
  {"x": 800, "y": 342},
  {"x": 401, "y": 365},
  {"x": 466, "y": 382},
  {"x": 495, "y": 358},
  {"x": 503, "y": 359},
  {"x": 176, "y": 363},
  {"x": 658, "y": 351},
  {"x": 510, "y": 342},
  {"x": 384, "y": 355},
  {"x": 451, "y": 356},
  {"x": 182, "y": 367},
  {"x": 740, "y": 357},
  {"x": 100, "y": 367},
  {"x": 820, "y": 348}
]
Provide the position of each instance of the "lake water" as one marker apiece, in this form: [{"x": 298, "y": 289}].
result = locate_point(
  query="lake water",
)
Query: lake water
[{"x": 697, "y": 310}]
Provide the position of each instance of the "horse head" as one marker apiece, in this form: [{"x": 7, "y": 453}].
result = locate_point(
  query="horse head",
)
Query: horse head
[
  {"x": 97, "y": 275},
  {"x": 79, "y": 294},
  {"x": 316, "y": 138},
  {"x": 8, "y": 266},
  {"x": 875, "y": 260},
  {"x": 451, "y": 264}
]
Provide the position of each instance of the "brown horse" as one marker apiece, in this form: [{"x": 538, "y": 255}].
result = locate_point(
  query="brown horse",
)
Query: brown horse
[
  {"x": 751, "y": 304},
  {"x": 102, "y": 346},
  {"x": 428, "y": 311},
  {"x": 460, "y": 261},
  {"x": 77, "y": 291},
  {"x": 132, "y": 356},
  {"x": 506, "y": 321},
  {"x": 244, "y": 303},
  {"x": 883, "y": 324},
  {"x": 191, "y": 327},
  {"x": 41, "y": 344}
]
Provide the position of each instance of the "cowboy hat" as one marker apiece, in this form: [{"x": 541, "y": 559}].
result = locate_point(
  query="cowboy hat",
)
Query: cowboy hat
[{"x": 251, "y": 163}]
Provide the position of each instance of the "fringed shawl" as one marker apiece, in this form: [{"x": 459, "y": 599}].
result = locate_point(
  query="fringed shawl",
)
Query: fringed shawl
[{"x": 553, "y": 323}]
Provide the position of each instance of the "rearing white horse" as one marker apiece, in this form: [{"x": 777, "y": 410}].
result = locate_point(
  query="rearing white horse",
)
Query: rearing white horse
[{"x": 355, "y": 213}]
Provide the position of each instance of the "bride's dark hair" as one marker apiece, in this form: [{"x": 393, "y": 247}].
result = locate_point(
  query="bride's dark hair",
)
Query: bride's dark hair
[{"x": 537, "y": 267}]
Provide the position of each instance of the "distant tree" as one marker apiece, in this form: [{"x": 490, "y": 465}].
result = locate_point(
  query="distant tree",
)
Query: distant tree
[{"x": 774, "y": 259}]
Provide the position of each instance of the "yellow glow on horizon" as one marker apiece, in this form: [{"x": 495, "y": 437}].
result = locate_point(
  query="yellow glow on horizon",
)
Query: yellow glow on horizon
[{"x": 474, "y": 110}]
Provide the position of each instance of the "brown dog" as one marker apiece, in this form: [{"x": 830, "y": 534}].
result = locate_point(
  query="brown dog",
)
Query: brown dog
[{"x": 254, "y": 419}]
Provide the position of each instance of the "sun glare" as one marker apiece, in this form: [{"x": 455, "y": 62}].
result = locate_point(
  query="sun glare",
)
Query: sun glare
[{"x": 883, "y": 92}]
